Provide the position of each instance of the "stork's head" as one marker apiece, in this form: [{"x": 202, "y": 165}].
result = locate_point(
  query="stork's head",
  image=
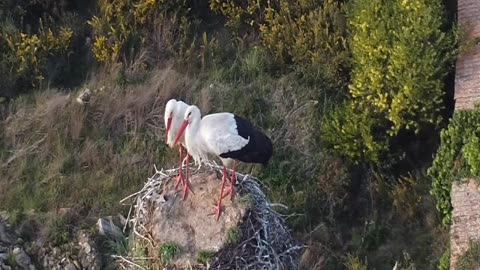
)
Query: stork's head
[
  {"x": 170, "y": 110},
  {"x": 191, "y": 114}
]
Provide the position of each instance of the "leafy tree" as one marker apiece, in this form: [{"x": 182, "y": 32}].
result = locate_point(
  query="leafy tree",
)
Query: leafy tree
[{"x": 400, "y": 57}]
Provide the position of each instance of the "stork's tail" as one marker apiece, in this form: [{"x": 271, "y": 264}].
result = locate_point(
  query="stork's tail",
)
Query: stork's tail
[{"x": 264, "y": 147}]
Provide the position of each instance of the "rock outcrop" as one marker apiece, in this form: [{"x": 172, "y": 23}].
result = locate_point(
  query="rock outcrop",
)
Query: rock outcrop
[
  {"x": 466, "y": 218},
  {"x": 15, "y": 253},
  {"x": 12, "y": 253}
]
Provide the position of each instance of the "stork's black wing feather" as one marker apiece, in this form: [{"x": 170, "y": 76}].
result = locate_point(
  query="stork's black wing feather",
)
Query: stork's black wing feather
[{"x": 259, "y": 148}]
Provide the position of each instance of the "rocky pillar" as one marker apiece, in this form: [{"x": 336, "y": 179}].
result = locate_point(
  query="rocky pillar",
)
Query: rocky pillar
[
  {"x": 466, "y": 194},
  {"x": 466, "y": 218}
]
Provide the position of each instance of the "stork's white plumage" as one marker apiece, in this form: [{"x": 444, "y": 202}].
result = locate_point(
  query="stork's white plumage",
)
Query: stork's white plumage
[
  {"x": 227, "y": 136},
  {"x": 174, "y": 112}
]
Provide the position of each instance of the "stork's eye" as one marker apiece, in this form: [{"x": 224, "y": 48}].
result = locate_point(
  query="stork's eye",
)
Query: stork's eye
[{"x": 189, "y": 114}]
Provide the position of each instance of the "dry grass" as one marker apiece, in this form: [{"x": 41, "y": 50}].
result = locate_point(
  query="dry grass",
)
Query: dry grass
[{"x": 57, "y": 153}]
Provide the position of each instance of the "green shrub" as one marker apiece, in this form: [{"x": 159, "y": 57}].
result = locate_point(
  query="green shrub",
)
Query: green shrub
[
  {"x": 444, "y": 263},
  {"x": 40, "y": 41},
  {"x": 456, "y": 158},
  {"x": 33, "y": 51},
  {"x": 308, "y": 34},
  {"x": 122, "y": 27},
  {"x": 351, "y": 133},
  {"x": 401, "y": 55}
]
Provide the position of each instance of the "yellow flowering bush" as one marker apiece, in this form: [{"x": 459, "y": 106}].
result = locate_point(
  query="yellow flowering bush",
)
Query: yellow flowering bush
[
  {"x": 32, "y": 51},
  {"x": 302, "y": 32},
  {"x": 121, "y": 23},
  {"x": 400, "y": 58}
]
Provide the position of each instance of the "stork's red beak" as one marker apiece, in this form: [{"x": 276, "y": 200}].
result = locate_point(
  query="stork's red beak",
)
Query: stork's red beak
[
  {"x": 169, "y": 123},
  {"x": 180, "y": 131}
]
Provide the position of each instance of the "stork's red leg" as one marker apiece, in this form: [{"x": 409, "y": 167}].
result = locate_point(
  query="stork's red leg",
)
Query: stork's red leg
[
  {"x": 180, "y": 176},
  {"x": 186, "y": 186},
  {"x": 220, "y": 197},
  {"x": 232, "y": 182}
]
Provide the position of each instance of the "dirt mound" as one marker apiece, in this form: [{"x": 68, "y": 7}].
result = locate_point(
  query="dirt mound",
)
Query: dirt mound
[
  {"x": 180, "y": 234},
  {"x": 187, "y": 223}
]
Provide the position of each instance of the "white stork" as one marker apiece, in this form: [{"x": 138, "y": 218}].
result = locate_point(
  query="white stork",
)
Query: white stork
[
  {"x": 226, "y": 135},
  {"x": 174, "y": 111}
]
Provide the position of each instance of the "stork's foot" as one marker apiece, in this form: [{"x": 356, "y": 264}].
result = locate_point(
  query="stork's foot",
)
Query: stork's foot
[
  {"x": 230, "y": 192},
  {"x": 186, "y": 188},
  {"x": 216, "y": 211},
  {"x": 179, "y": 179}
]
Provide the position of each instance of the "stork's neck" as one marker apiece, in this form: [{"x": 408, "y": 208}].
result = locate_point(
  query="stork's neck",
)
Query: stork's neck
[{"x": 192, "y": 137}]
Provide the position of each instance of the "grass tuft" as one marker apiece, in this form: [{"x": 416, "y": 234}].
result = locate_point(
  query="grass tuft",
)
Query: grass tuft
[
  {"x": 167, "y": 252},
  {"x": 233, "y": 235},
  {"x": 203, "y": 256},
  {"x": 471, "y": 258}
]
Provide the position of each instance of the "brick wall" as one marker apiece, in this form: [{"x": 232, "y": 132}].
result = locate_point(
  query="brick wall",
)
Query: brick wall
[
  {"x": 466, "y": 218},
  {"x": 466, "y": 195},
  {"x": 467, "y": 77}
]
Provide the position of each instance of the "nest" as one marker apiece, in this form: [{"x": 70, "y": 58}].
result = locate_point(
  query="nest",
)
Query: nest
[{"x": 266, "y": 242}]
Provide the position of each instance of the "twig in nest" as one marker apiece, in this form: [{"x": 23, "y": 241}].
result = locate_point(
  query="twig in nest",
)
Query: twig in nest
[{"x": 127, "y": 261}]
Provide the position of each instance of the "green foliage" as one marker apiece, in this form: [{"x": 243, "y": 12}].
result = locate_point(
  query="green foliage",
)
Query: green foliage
[
  {"x": 203, "y": 256},
  {"x": 353, "y": 262},
  {"x": 400, "y": 58},
  {"x": 456, "y": 158},
  {"x": 239, "y": 13},
  {"x": 28, "y": 54},
  {"x": 351, "y": 133},
  {"x": 39, "y": 40},
  {"x": 11, "y": 259},
  {"x": 167, "y": 252},
  {"x": 121, "y": 27},
  {"x": 7, "y": 59},
  {"x": 444, "y": 262},
  {"x": 309, "y": 35},
  {"x": 470, "y": 259},
  {"x": 253, "y": 64},
  {"x": 58, "y": 230},
  {"x": 471, "y": 154},
  {"x": 233, "y": 235},
  {"x": 32, "y": 51}
]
